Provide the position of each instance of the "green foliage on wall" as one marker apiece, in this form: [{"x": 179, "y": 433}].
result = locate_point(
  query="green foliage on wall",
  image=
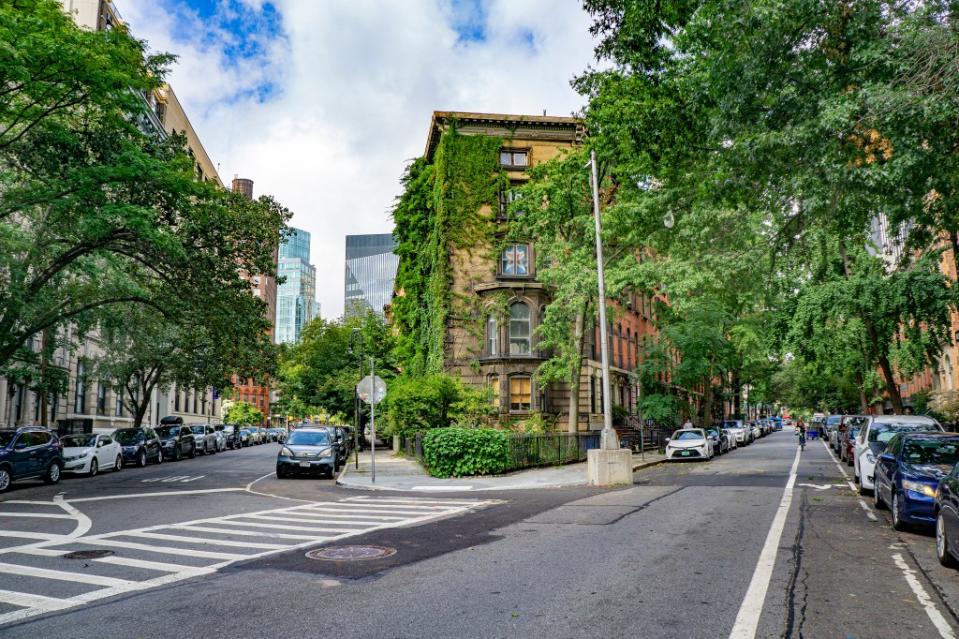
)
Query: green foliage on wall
[{"x": 439, "y": 212}]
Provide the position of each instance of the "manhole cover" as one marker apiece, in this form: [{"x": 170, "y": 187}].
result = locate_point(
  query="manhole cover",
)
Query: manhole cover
[
  {"x": 88, "y": 554},
  {"x": 351, "y": 553}
]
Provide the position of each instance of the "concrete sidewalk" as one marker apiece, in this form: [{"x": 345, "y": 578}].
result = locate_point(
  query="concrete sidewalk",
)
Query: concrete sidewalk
[{"x": 401, "y": 473}]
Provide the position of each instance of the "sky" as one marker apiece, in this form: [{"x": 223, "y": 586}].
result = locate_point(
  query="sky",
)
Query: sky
[{"x": 322, "y": 103}]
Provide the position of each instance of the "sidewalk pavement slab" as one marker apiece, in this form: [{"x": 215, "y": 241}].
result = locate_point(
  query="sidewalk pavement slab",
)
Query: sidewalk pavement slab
[{"x": 396, "y": 472}]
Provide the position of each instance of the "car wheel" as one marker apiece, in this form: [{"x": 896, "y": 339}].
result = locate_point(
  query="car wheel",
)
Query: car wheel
[
  {"x": 118, "y": 465},
  {"x": 160, "y": 456},
  {"x": 94, "y": 467},
  {"x": 176, "y": 453},
  {"x": 280, "y": 473},
  {"x": 942, "y": 544},
  {"x": 214, "y": 450},
  {"x": 4, "y": 479},
  {"x": 52, "y": 475},
  {"x": 877, "y": 498},
  {"x": 193, "y": 451},
  {"x": 142, "y": 459},
  {"x": 897, "y": 521}
]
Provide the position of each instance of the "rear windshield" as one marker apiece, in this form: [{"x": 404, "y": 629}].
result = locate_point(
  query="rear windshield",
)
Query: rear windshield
[
  {"x": 199, "y": 430},
  {"x": 883, "y": 432},
  {"x": 79, "y": 441},
  {"x": 308, "y": 438},
  {"x": 167, "y": 431},
  {"x": 931, "y": 451},
  {"x": 129, "y": 436},
  {"x": 833, "y": 419}
]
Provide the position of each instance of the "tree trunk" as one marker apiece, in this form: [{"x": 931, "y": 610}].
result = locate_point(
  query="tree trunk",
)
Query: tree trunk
[
  {"x": 891, "y": 386},
  {"x": 574, "y": 384},
  {"x": 863, "y": 402},
  {"x": 707, "y": 404},
  {"x": 737, "y": 393},
  {"x": 144, "y": 383}
]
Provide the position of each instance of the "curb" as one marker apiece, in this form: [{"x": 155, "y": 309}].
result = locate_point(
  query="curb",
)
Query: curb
[{"x": 649, "y": 464}]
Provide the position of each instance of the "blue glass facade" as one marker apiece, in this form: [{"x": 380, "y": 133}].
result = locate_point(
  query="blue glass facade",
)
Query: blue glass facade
[
  {"x": 296, "y": 302},
  {"x": 370, "y": 273}
]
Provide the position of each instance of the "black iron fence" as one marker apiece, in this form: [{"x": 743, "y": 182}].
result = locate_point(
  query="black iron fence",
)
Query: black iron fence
[{"x": 527, "y": 450}]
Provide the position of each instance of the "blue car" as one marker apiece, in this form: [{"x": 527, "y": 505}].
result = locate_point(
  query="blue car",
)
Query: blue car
[
  {"x": 29, "y": 453},
  {"x": 908, "y": 473}
]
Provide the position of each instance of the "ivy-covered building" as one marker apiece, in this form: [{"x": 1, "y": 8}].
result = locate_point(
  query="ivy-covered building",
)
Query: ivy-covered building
[{"x": 467, "y": 299}]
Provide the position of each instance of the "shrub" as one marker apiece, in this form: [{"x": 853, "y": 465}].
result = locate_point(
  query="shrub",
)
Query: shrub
[
  {"x": 458, "y": 452},
  {"x": 420, "y": 403}
]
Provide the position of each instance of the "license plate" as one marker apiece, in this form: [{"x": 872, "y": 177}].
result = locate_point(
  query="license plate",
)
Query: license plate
[
  {"x": 304, "y": 464},
  {"x": 685, "y": 453}
]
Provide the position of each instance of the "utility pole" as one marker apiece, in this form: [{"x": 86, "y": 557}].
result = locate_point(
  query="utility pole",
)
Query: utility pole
[{"x": 608, "y": 440}]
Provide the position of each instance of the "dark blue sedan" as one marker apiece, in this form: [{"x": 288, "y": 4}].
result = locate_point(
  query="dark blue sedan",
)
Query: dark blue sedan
[{"x": 908, "y": 473}]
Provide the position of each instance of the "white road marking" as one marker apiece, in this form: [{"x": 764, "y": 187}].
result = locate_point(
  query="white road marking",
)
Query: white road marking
[
  {"x": 315, "y": 523},
  {"x": 817, "y": 486},
  {"x": 747, "y": 620},
  {"x": 934, "y": 615},
  {"x": 23, "y": 534},
  {"x": 61, "y": 575},
  {"x": 871, "y": 515},
  {"x": 168, "y": 493},
  {"x": 258, "y": 479},
  {"x": 38, "y": 515}
]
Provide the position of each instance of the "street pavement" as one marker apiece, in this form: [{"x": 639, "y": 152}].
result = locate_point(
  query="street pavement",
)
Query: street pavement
[{"x": 762, "y": 542}]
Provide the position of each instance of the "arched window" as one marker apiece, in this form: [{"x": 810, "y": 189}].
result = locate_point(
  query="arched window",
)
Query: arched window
[
  {"x": 492, "y": 336},
  {"x": 519, "y": 329}
]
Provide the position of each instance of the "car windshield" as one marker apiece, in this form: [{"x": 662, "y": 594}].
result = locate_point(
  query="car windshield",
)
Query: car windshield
[
  {"x": 931, "y": 451},
  {"x": 883, "y": 432},
  {"x": 688, "y": 434},
  {"x": 853, "y": 431},
  {"x": 833, "y": 420},
  {"x": 308, "y": 438},
  {"x": 79, "y": 441},
  {"x": 197, "y": 430},
  {"x": 129, "y": 436},
  {"x": 730, "y": 424},
  {"x": 6, "y": 436},
  {"x": 168, "y": 431}
]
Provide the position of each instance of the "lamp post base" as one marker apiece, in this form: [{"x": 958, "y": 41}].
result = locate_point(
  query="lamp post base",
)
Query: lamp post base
[{"x": 609, "y": 467}]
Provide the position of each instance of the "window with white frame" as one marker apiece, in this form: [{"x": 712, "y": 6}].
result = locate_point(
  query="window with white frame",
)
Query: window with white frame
[
  {"x": 492, "y": 336},
  {"x": 519, "y": 329}
]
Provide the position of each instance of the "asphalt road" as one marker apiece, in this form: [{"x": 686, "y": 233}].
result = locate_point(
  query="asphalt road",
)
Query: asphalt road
[{"x": 691, "y": 550}]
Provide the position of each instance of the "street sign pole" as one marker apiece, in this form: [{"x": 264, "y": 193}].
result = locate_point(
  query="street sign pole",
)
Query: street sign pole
[{"x": 373, "y": 421}]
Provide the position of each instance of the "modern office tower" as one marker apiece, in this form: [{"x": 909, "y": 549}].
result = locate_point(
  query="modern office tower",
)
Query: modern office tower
[
  {"x": 296, "y": 297},
  {"x": 370, "y": 273}
]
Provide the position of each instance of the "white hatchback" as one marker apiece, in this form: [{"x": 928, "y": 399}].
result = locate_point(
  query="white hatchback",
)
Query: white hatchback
[
  {"x": 689, "y": 443},
  {"x": 872, "y": 438},
  {"x": 88, "y": 454}
]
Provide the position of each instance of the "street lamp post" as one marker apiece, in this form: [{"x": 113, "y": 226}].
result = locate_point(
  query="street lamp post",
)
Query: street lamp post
[{"x": 608, "y": 439}]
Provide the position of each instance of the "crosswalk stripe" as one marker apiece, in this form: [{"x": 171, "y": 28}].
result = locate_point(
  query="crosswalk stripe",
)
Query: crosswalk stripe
[
  {"x": 352, "y": 513},
  {"x": 388, "y": 507},
  {"x": 23, "y": 534},
  {"x": 212, "y": 542},
  {"x": 255, "y": 524},
  {"x": 337, "y": 514},
  {"x": 410, "y": 500},
  {"x": 61, "y": 575},
  {"x": 37, "y": 515},
  {"x": 148, "y": 565},
  {"x": 308, "y": 518},
  {"x": 302, "y": 520},
  {"x": 349, "y": 508},
  {"x": 40, "y": 552},
  {"x": 27, "y": 600},
  {"x": 247, "y": 533},
  {"x": 200, "y": 554}
]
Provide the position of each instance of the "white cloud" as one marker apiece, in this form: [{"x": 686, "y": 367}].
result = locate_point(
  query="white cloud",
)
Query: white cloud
[{"x": 356, "y": 83}]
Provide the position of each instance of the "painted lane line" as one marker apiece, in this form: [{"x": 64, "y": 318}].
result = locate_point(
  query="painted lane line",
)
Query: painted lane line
[
  {"x": 393, "y": 513},
  {"x": 168, "y": 493},
  {"x": 247, "y": 533},
  {"x": 148, "y": 565},
  {"x": 27, "y": 600},
  {"x": 258, "y": 479},
  {"x": 165, "y": 550},
  {"x": 871, "y": 515},
  {"x": 209, "y": 541},
  {"x": 61, "y": 575},
  {"x": 862, "y": 503},
  {"x": 934, "y": 615},
  {"x": 747, "y": 620},
  {"x": 37, "y": 515}
]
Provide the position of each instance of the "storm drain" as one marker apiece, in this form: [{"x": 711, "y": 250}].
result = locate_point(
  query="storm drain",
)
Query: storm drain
[
  {"x": 351, "y": 553},
  {"x": 88, "y": 554}
]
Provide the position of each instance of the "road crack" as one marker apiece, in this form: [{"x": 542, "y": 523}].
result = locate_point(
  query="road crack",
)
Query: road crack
[{"x": 794, "y": 622}]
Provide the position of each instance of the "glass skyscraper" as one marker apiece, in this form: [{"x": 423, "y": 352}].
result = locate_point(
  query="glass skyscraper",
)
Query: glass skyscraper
[
  {"x": 370, "y": 273},
  {"x": 296, "y": 302}
]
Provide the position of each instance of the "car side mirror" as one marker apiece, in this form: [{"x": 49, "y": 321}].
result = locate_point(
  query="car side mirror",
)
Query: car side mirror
[
  {"x": 887, "y": 457},
  {"x": 667, "y": 440},
  {"x": 19, "y": 446}
]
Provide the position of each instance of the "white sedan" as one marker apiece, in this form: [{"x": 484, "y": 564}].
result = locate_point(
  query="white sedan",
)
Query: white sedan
[
  {"x": 87, "y": 454},
  {"x": 689, "y": 443},
  {"x": 872, "y": 438}
]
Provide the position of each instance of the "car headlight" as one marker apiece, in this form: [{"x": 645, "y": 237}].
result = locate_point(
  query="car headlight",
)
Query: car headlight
[
  {"x": 918, "y": 487},
  {"x": 870, "y": 457},
  {"x": 326, "y": 452},
  {"x": 286, "y": 452}
]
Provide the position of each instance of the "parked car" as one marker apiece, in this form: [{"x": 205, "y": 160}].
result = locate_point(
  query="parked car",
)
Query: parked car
[
  {"x": 230, "y": 433},
  {"x": 743, "y": 435},
  {"x": 730, "y": 438},
  {"x": 205, "y": 438},
  {"x": 245, "y": 438},
  {"x": 139, "y": 445},
  {"x": 29, "y": 453},
  {"x": 256, "y": 436},
  {"x": 873, "y": 437},
  {"x": 848, "y": 443},
  {"x": 908, "y": 473},
  {"x": 177, "y": 442},
  {"x": 689, "y": 443},
  {"x": 309, "y": 451},
  {"x": 719, "y": 440},
  {"x": 87, "y": 454},
  {"x": 946, "y": 510},
  {"x": 756, "y": 431}
]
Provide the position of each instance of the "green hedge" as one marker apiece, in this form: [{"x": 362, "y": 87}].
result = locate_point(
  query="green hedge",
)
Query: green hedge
[{"x": 458, "y": 452}]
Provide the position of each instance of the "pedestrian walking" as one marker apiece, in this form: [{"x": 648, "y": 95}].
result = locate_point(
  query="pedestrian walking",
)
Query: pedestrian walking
[{"x": 688, "y": 425}]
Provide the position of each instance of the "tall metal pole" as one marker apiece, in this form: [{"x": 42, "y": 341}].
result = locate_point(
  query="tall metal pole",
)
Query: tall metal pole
[
  {"x": 608, "y": 439},
  {"x": 373, "y": 419}
]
